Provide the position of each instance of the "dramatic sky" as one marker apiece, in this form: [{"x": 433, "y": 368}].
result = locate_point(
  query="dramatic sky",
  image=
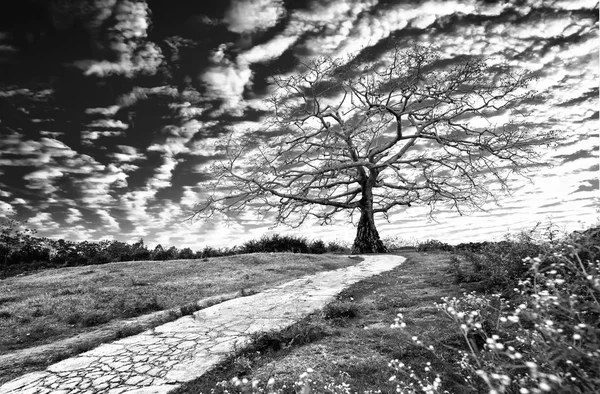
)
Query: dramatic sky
[{"x": 110, "y": 109}]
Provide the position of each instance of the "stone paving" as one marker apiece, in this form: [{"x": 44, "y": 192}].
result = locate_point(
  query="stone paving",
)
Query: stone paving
[{"x": 161, "y": 359}]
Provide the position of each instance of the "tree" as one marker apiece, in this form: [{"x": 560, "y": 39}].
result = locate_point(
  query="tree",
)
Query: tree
[
  {"x": 185, "y": 254},
  {"x": 369, "y": 137},
  {"x": 15, "y": 241}
]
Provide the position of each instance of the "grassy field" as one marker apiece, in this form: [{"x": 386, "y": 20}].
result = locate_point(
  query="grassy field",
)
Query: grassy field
[
  {"x": 351, "y": 341},
  {"x": 52, "y": 305},
  {"x": 518, "y": 316}
]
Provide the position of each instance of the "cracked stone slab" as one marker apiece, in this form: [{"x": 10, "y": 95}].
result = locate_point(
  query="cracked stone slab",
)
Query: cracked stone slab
[{"x": 159, "y": 360}]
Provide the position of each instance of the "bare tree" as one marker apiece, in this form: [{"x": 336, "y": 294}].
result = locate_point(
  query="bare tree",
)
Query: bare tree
[{"x": 369, "y": 137}]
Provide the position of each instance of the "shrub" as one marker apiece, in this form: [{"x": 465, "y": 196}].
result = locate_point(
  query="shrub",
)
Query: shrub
[
  {"x": 338, "y": 247},
  {"x": 341, "y": 309},
  {"x": 434, "y": 245},
  {"x": 318, "y": 247},
  {"x": 276, "y": 243},
  {"x": 543, "y": 338},
  {"x": 498, "y": 266},
  {"x": 395, "y": 242}
]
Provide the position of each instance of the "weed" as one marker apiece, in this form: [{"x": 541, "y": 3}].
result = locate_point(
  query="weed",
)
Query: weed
[
  {"x": 138, "y": 283},
  {"x": 298, "y": 334},
  {"x": 340, "y": 310}
]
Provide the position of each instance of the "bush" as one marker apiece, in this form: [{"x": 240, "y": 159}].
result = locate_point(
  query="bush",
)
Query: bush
[
  {"x": 395, "y": 243},
  {"x": 318, "y": 247},
  {"x": 498, "y": 266},
  {"x": 475, "y": 247},
  {"x": 340, "y": 309},
  {"x": 434, "y": 245},
  {"x": 545, "y": 336},
  {"x": 276, "y": 243},
  {"x": 337, "y": 247}
]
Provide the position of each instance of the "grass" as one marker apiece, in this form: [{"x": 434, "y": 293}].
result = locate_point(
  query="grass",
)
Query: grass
[
  {"x": 58, "y": 304},
  {"x": 351, "y": 341},
  {"x": 531, "y": 326}
]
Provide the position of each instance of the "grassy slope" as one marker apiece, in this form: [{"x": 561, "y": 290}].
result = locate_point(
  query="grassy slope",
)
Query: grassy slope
[
  {"x": 354, "y": 337},
  {"x": 52, "y": 305}
]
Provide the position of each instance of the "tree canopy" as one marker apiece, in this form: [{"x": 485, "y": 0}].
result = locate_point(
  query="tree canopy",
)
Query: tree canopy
[{"x": 367, "y": 137}]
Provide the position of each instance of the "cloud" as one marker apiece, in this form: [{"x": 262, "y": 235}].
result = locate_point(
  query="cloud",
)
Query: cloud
[
  {"x": 127, "y": 154},
  {"x": 252, "y": 15},
  {"x": 144, "y": 60},
  {"x": 108, "y": 124},
  {"x": 226, "y": 80},
  {"x": 270, "y": 50},
  {"x": 108, "y": 111},
  {"x": 121, "y": 27},
  {"x": 178, "y": 138},
  {"x": 589, "y": 185},
  {"x": 109, "y": 222},
  {"x": 73, "y": 215},
  {"x": 6, "y": 209},
  {"x": 42, "y": 220}
]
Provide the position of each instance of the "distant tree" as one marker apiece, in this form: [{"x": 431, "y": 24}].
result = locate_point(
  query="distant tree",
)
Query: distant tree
[
  {"x": 140, "y": 251},
  {"x": 65, "y": 252},
  {"x": 119, "y": 251},
  {"x": 186, "y": 253},
  {"x": 159, "y": 253},
  {"x": 371, "y": 136},
  {"x": 10, "y": 235},
  {"x": 172, "y": 253},
  {"x": 17, "y": 243}
]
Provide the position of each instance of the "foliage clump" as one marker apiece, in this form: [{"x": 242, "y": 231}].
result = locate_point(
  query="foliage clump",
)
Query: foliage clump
[{"x": 434, "y": 245}]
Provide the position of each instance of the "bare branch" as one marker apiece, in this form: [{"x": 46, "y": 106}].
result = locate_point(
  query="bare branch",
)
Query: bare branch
[{"x": 378, "y": 136}]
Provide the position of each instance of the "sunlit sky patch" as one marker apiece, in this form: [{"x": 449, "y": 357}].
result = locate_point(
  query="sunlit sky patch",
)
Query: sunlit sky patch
[{"x": 111, "y": 111}]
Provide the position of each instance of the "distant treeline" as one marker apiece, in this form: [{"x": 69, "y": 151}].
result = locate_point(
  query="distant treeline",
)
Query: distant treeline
[{"x": 21, "y": 250}]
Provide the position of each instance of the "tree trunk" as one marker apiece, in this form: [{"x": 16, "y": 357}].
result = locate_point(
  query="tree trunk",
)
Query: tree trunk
[{"x": 367, "y": 237}]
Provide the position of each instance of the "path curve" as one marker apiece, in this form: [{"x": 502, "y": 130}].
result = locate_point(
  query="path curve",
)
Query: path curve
[{"x": 161, "y": 359}]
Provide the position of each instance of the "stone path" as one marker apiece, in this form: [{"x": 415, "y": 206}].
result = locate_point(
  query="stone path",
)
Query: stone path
[{"x": 161, "y": 359}]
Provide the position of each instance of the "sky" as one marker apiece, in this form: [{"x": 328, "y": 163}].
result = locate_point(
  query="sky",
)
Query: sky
[{"x": 110, "y": 110}]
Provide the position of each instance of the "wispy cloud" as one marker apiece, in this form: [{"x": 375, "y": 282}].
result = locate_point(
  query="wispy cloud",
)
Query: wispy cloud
[{"x": 251, "y": 15}]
